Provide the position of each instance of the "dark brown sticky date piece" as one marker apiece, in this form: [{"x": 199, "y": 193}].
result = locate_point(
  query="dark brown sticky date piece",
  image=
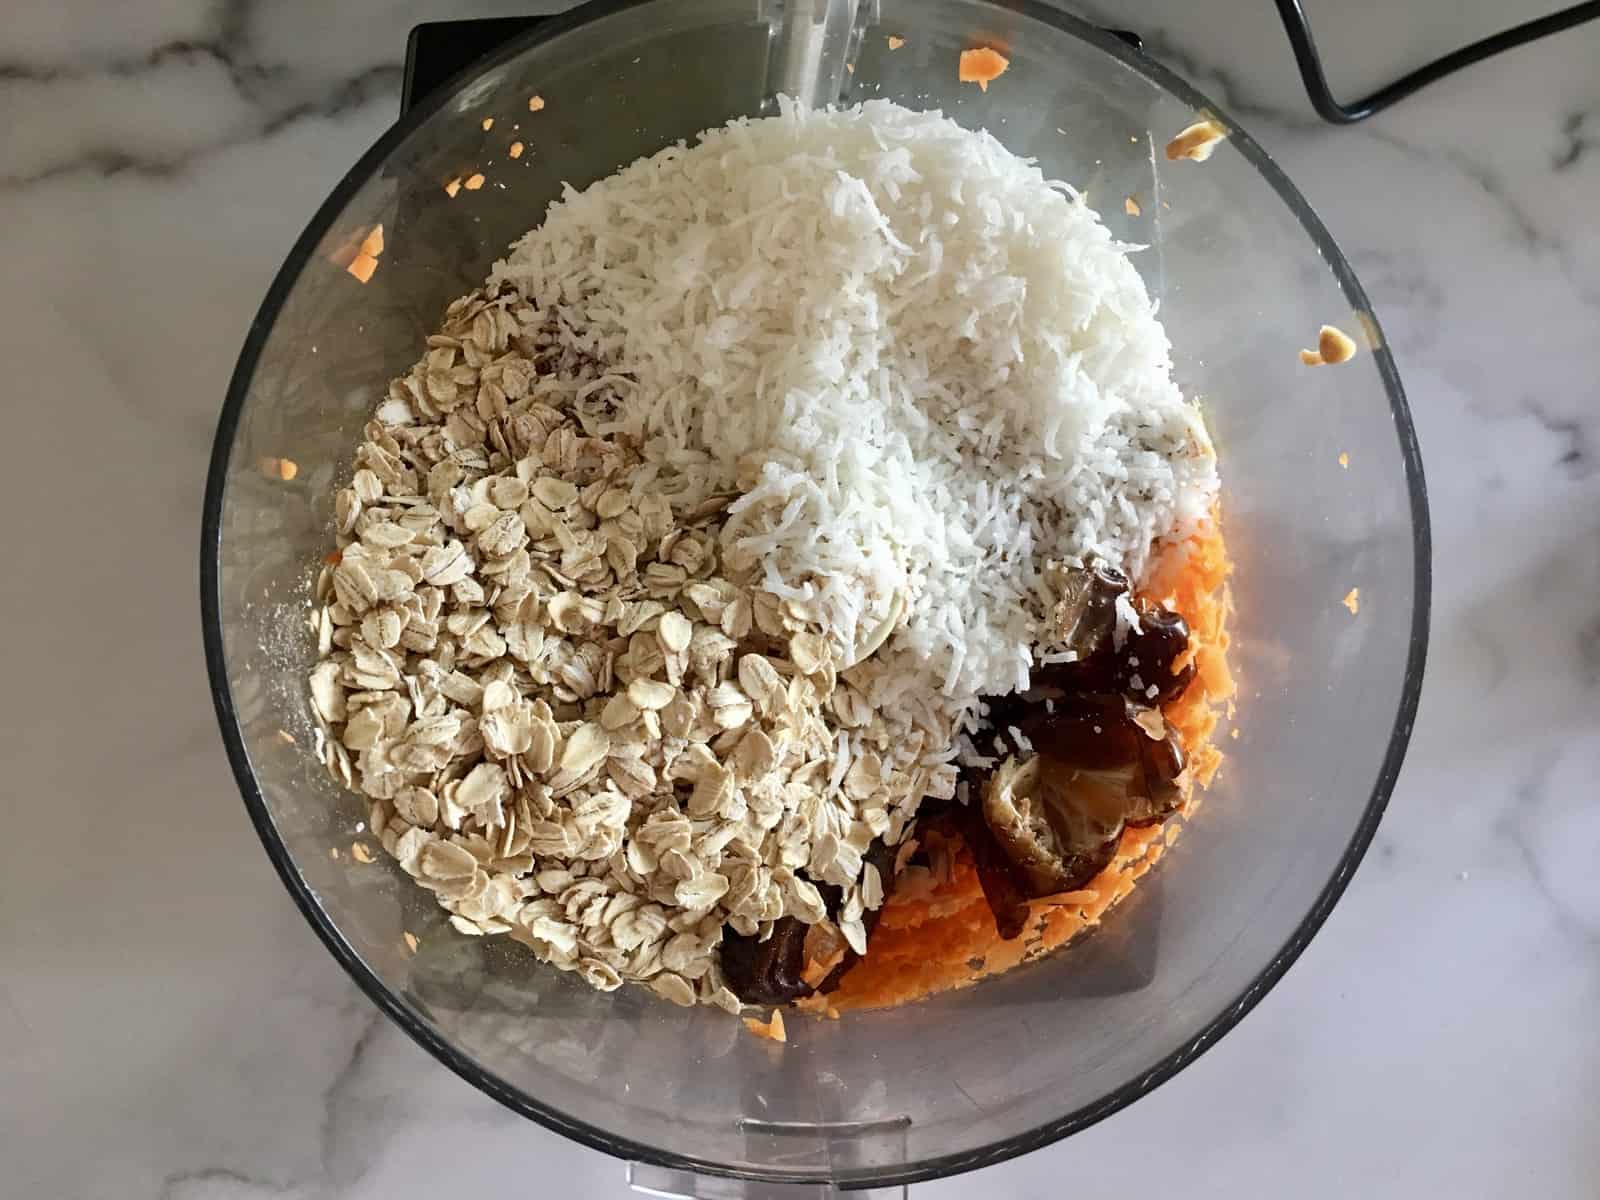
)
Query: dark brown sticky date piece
[
  {"x": 996, "y": 874},
  {"x": 963, "y": 824},
  {"x": 766, "y": 972},
  {"x": 1098, "y": 743},
  {"x": 1086, "y": 614},
  {"x": 1100, "y": 770},
  {"x": 1145, "y": 660},
  {"x": 772, "y": 972},
  {"x": 1162, "y": 762},
  {"x": 1093, "y": 733}
]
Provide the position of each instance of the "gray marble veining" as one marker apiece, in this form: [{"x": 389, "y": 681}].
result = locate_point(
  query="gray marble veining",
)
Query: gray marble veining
[{"x": 170, "y": 1029}]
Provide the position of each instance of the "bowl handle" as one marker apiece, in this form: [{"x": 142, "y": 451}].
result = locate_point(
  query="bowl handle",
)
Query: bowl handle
[{"x": 673, "y": 1184}]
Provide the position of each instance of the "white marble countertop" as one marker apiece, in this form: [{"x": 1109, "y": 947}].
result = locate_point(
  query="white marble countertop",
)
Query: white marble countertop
[{"x": 169, "y": 1026}]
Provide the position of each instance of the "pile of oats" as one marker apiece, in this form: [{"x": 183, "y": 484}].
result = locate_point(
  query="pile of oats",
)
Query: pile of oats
[{"x": 580, "y": 722}]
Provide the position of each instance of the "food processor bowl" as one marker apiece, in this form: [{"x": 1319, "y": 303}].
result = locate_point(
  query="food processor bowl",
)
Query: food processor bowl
[{"x": 1322, "y": 495}]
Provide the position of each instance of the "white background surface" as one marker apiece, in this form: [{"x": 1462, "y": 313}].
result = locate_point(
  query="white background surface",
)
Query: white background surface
[{"x": 169, "y": 1027}]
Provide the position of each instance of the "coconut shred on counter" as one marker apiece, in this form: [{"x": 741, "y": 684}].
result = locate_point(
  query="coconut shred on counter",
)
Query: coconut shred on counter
[{"x": 688, "y": 561}]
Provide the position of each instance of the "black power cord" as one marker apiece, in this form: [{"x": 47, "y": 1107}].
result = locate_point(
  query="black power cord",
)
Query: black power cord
[{"x": 1298, "y": 28}]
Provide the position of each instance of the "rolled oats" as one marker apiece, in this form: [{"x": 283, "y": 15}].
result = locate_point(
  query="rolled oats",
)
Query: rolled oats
[{"x": 577, "y": 722}]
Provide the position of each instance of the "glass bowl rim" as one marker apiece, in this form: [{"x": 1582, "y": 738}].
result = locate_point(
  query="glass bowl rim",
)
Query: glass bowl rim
[{"x": 416, "y": 1027}]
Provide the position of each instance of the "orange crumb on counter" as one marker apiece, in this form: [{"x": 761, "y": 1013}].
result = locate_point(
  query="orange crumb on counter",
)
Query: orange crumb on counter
[
  {"x": 488, "y": 124},
  {"x": 360, "y": 852},
  {"x": 535, "y": 103},
  {"x": 451, "y": 188},
  {"x": 772, "y": 1030},
  {"x": 1196, "y": 142},
  {"x": 516, "y": 150},
  {"x": 982, "y": 66},
  {"x": 1335, "y": 345},
  {"x": 1344, "y": 460},
  {"x": 411, "y": 941},
  {"x": 1352, "y": 601},
  {"x": 474, "y": 181},
  {"x": 896, "y": 42},
  {"x": 362, "y": 266},
  {"x": 1131, "y": 207},
  {"x": 372, "y": 244},
  {"x": 279, "y": 468}
]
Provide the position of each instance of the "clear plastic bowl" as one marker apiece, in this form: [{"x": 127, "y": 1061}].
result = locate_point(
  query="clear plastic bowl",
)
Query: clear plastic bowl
[{"x": 1245, "y": 274}]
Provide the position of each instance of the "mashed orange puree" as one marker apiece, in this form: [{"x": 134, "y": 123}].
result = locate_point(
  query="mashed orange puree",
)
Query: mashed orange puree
[{"x": 937, "y": 932}]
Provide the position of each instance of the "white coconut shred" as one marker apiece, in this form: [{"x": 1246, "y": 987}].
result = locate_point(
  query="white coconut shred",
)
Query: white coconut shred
[{"x": 926, "y": 370}]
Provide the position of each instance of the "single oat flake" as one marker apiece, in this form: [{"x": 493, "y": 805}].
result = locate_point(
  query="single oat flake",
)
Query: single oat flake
[
  {"x": 1352, "y": 601},
  {"x": 896, "y": 42}
]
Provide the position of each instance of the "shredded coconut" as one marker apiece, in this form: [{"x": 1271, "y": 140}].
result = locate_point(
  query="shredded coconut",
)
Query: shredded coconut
[{"x": 925, "y": 369}]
